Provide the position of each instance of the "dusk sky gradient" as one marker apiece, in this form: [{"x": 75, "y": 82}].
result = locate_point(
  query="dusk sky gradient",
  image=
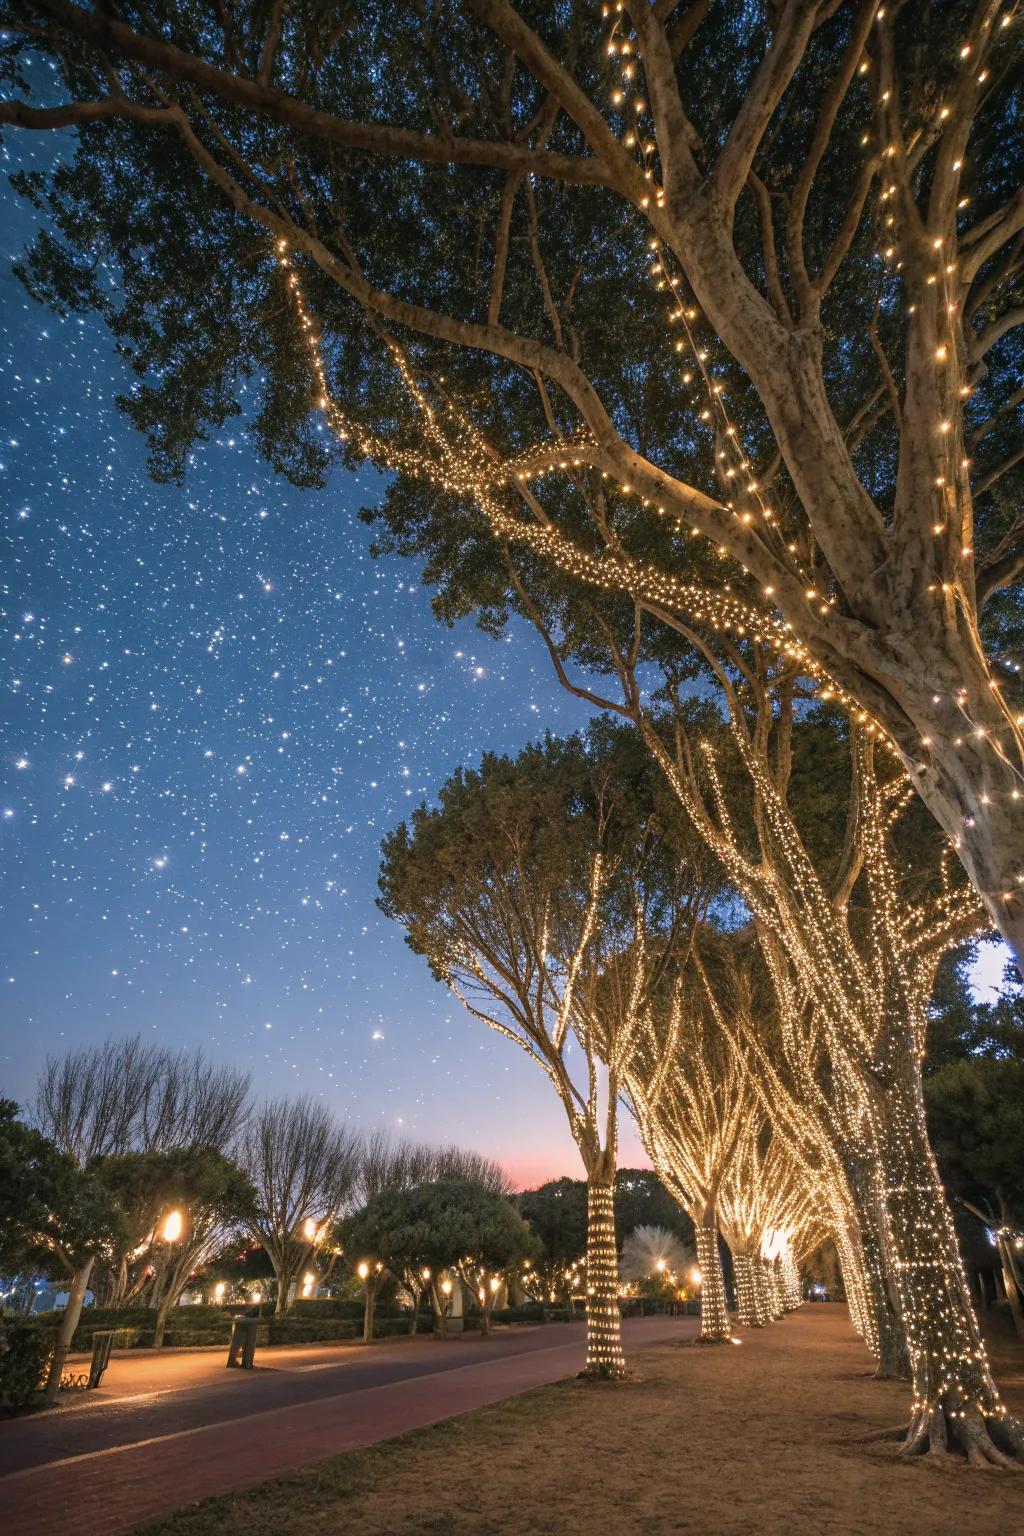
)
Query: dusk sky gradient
[{"x": 215, "y": 704}]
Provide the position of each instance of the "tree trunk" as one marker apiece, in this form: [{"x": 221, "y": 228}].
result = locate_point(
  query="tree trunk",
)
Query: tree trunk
[
  {"x": 888, "y": 1337},
  {"x": 604, "y": 1321},
  {"x": 440, "y": 1302},
  {"x": 161, "y": 1318},
  {"x": 1010, "y": 1285},
  {"x": 956, "y": 1406},
  {"x": 763, "y": 1301},
  {"x": 68, "y": 1324},
  {"x": 368, "y": 1309},
  {"x": 714, "y": 1318},
  {"x": 747, "y": 1312},
  {"x": 285, "y": 1282},
  {"x": 792, "y": 1295},
  {"x": 850, "y": 1252}
]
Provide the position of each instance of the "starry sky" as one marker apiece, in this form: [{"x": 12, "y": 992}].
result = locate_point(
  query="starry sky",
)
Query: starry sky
[{"x": 214, "y": 705}]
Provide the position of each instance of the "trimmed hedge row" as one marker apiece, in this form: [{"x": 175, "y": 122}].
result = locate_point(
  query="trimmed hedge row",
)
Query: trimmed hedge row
[{"x": 24, "y": 1351}]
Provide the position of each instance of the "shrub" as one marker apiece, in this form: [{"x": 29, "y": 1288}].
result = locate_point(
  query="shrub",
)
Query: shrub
[
  {"x": 286, "y": 1330},
  {"x": 24, "y": 1351}
]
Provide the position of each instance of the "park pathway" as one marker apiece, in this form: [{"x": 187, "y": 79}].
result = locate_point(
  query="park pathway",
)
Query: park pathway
[{"x": 167, "y": 1432}]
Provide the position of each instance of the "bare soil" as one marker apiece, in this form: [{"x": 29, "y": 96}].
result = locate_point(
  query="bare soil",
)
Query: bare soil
[{"x": 763, "y": 1438}]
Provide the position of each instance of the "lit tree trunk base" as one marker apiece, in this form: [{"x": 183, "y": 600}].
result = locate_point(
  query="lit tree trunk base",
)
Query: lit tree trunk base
[
  {"x": 956, "y": 1407},
  {"x": 748, "y": 1314},
  {"x": 984, "y": 1440},
  {"x": 605, "y": 1360},
  {"x": 714, "y": 1317}
]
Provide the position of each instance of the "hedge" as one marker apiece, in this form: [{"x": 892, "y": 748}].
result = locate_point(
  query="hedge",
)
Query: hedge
[{"x": 24, "y": 1351}]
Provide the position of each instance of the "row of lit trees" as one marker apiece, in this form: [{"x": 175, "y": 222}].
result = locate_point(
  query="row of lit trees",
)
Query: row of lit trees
[{"x": 575, "y": 895}]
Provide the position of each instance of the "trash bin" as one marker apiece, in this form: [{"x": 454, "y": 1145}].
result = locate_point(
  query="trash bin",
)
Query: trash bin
[
  {"x": 242, "y": 1350},
  {"x": 102, "y": 1341}
]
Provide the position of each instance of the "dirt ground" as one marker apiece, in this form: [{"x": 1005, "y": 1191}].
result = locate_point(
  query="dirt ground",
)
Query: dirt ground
[{"x": 763, "y": 1438}]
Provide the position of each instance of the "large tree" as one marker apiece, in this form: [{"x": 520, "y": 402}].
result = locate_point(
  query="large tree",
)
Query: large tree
[
  {"x": 177, "y": 1208},
  {"x": 447, "y": 1224},
  {"x": 304, "y": 1168},
  {"x": 748, "y": 274},
  {"x": 551, "y": 893},
  {"x": 55, "y": 1215}
]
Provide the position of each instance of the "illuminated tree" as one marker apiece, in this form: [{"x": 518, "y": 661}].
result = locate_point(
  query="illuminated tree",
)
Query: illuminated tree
[
  {"x": 548, "y": 895},
  {"x": 688, "y": 1093},
  {"x": 304, "y": 1168},
  {"x": 795, "y": 228},
  {"x": 123, "y": 1098},
  {"x": 863, "y": 978}
]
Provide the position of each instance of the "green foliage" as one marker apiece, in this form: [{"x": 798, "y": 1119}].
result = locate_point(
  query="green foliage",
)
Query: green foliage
[
  {"x": 437, "y": 1226},
  {"x": 24, "y": 1350},
  {"x": 52, "y": 1214},
  {"x": 976, "y": 1119},
  {"x": 557, "y": 1212}
]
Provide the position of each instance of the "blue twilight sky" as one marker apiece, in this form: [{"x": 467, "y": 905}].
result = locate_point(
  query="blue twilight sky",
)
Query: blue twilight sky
[{"x": 214, "y": 704}]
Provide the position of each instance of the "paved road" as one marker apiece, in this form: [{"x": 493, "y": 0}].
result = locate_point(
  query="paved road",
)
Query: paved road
[{"x": 146, "y": 1447}]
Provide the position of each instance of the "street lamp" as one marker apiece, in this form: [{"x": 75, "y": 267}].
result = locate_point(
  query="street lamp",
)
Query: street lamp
[{"x": 172, "y": 1227}]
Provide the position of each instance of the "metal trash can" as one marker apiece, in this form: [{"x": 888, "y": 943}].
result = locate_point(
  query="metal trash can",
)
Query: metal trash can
[
  {"x": 242, "y": 1349},
  {"x": 102, "y": 1340}
]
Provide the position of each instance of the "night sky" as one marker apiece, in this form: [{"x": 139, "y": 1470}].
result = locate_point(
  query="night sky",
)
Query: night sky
[{"x": 214, "y": 706}]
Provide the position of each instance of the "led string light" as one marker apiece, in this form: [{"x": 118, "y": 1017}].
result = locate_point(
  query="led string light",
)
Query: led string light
[{"x": 685, "y": 311}]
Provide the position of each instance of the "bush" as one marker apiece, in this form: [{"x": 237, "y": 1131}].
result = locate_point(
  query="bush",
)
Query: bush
[
  {"x": 288, "y": 1330},
  {"x": 185, "y": 1325},
  {"x": 388, "y": 1327},
  {"x": 24, "y": 1351},
  {"x": 342, "y": 1306}
]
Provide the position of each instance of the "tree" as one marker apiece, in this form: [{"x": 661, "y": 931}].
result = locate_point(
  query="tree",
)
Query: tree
[
  {"x": 422, "y": 1230},
  {"x": 388, "y": 1164},
  {"x": 550, "y": 894},
  {"x": 121, "y": 1100},
  {"x": 976, "y": 1116},
  {"x": 304, "y": 1168},
  {"x": 690, "y": 1095},
  {"x": 177, "y": 1208},
  {"x": 557, "y": 1216},
  {"x": 55, "y": 1213},
  {"x": 123, "y": 1096},
  {"x": 758, "y": 270}
]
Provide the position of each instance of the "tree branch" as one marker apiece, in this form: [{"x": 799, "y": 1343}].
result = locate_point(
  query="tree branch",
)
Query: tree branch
[
  {"x": 766, "y": 90},
  {"x": 114, "y": 38}
]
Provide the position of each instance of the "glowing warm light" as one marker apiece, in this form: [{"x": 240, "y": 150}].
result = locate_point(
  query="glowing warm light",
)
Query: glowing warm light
[
  {"x": 172, "y": 1227},
  {"x": 363, "y": 1270}
]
